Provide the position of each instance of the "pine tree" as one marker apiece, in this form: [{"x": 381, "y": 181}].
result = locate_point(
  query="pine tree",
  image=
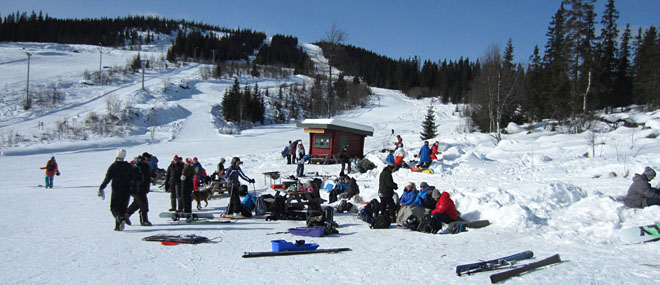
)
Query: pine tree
[
  {"x": 623, "y": 83},
  {"x": 429, "y": 128},
  {"x": 607, "y": 61}
]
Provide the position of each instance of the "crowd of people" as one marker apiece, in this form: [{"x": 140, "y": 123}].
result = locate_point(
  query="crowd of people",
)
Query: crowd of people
[{"x": 183, "y": 176}]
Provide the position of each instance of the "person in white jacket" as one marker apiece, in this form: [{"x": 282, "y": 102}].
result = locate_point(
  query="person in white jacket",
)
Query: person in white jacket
[{"x": 399, "y": 155}]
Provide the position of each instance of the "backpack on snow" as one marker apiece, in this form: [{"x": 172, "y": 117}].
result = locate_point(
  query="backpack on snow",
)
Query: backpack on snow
[
  {"x": 429, "y": 225},
  {"x": 279, "y": 209},
  {"x": 261, "y": 206},
  {"x": 344, "y": 206},
  {"x": 381, "y": 221},
  {"x": 368, "y": 212}
]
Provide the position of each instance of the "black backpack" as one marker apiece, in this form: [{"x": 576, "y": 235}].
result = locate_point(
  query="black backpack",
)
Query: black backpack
[
  {"x": 278, "y": 212},
  {"x": 381, "y": 221},
  {"x": 370, "y": 211},
  {"x": 429, "y": 225}
]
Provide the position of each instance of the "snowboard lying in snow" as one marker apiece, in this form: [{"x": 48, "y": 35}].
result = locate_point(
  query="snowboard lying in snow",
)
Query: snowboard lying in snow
[
  {"x": 640, "y": 234},
  {"x": 178, "y": 239},
  {"x": 181, "y": 216},
  {"x": 422, "y": 170}
]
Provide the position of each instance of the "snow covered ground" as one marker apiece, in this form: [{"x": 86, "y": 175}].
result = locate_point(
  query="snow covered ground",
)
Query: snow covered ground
[{"x": 538, "y": 189}]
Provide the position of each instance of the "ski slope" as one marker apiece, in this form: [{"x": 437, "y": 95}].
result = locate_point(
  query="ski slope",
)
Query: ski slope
[{"x": 539, "y": 190}]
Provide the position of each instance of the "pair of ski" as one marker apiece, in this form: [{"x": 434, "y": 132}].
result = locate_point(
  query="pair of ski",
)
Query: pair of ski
[{"x": 506, "y": 262}]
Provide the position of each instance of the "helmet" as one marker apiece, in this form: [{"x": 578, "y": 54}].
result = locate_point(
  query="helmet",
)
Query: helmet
[
  {"x": 411, "y": 222},
  {"x": 222, "y": 160}
]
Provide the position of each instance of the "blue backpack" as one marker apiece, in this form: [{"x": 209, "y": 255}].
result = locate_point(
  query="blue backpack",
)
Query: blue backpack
[
  {"x": 286, "y": 151},
  {"x": 249, "y": 201}
]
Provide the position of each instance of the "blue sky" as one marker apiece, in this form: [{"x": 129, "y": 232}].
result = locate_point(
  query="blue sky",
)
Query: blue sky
[{"x": 433, "y": 30}]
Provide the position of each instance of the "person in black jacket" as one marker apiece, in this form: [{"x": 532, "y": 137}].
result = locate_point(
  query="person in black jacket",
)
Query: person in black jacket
[
  {"x": 386, "y": 187},
  {"x": 140, "y": 200},
  {"x": 187, "y": 177},
  {"x": 231, "y": 175},
  {"x": 173, "y": 184},
  {"x": 345, "y": 160},
  {"x": 120, "y": 172}
]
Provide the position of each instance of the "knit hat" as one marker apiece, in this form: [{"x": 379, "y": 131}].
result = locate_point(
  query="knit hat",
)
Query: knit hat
[
  {"x": 649, "y": 172},
  {"x": 187, "y": 160},
  {"x": 436, "y": 194},
  {"x": 176, "y": 157},
  {"x": 411, "y": 184},
  {"x": 146, "y": 155},
  {"x": 121, "y": 153}
]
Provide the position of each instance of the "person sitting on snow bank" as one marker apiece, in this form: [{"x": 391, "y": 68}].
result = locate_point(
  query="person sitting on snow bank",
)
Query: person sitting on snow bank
[{"x": 641, "y": 194}]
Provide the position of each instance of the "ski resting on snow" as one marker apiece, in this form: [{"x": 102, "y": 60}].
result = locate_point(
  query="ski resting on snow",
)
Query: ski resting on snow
[
  {"x": 297, "y": 252},
  {"x": 498, "y": 277},
  {"x": 493, "y": 264}
]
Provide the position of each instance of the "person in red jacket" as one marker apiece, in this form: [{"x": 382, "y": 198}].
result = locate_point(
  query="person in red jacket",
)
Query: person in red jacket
[
  {"x": 51, "y": 170},
  {"x": 445, "y": 210},
  {"x": 434, "y": 150}
]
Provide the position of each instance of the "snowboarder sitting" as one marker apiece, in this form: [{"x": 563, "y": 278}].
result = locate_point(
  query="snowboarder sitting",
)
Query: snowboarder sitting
[
  {"x": 445, "y": 210},
  {"x": 641, "y": 194},
  {"x": 424, "y": 156},
  {"x": 51, "y": 171},
  {"x": 341, "y": 186},
  {"x": 435, "y": 154},
  {"x": 406, "y": 203}
]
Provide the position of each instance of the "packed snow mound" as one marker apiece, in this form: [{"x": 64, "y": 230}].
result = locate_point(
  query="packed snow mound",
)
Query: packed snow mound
[{"x": 513, "y": 128}]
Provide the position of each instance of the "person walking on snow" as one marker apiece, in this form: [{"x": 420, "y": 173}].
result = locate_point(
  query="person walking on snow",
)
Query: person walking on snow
[
  {"x": 231, "y": 175},
  {"x": 641, "y": 194},
  {"x": 51, "y": 171},
  {"x": 140, "y": 200},
  {"x": 120, "y": 173}
]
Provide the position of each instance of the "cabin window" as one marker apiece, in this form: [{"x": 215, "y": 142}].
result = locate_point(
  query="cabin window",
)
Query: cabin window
[{"x": 322, "y": 142}]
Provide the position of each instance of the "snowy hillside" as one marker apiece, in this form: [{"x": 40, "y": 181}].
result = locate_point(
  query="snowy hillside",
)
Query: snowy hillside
[{"x": 539, "y": 189}]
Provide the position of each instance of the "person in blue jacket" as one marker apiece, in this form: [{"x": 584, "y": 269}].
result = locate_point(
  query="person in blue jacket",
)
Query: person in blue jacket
[
  {"x": 424, "y": 156},
  {"x": 421, "y": 200},
  {"x": 409, "y": 195},
  {"x": 341, "y": 186},
  {"x": 390, "y": 157},
  {"x": 406, "y": 205}
]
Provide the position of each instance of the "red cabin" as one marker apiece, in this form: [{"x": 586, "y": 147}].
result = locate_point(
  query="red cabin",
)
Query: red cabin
[{"x": 328, "y": 137}]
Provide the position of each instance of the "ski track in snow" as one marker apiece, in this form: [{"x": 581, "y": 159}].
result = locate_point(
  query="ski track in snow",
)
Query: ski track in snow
[{"x": 538, "y": 190}]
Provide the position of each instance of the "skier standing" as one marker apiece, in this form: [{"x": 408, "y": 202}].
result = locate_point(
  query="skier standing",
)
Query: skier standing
[
  {"x": 51, "y": 171},
  {"x": 173, "y": 183},
  {"x": 187, "y": 176},
  {"x": 231, "y": 175},
  {"x": 140, "y": 200},
  {"x": 120, "y": 172}
]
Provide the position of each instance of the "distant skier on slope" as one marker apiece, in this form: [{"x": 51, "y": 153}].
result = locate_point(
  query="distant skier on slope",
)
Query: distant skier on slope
[{"x": 51, "y": 171}]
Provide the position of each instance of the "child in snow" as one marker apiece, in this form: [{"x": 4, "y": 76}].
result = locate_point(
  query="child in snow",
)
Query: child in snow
[
  {"x": 434, "y": 150},
  {"x": 51, "y": 171}
]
